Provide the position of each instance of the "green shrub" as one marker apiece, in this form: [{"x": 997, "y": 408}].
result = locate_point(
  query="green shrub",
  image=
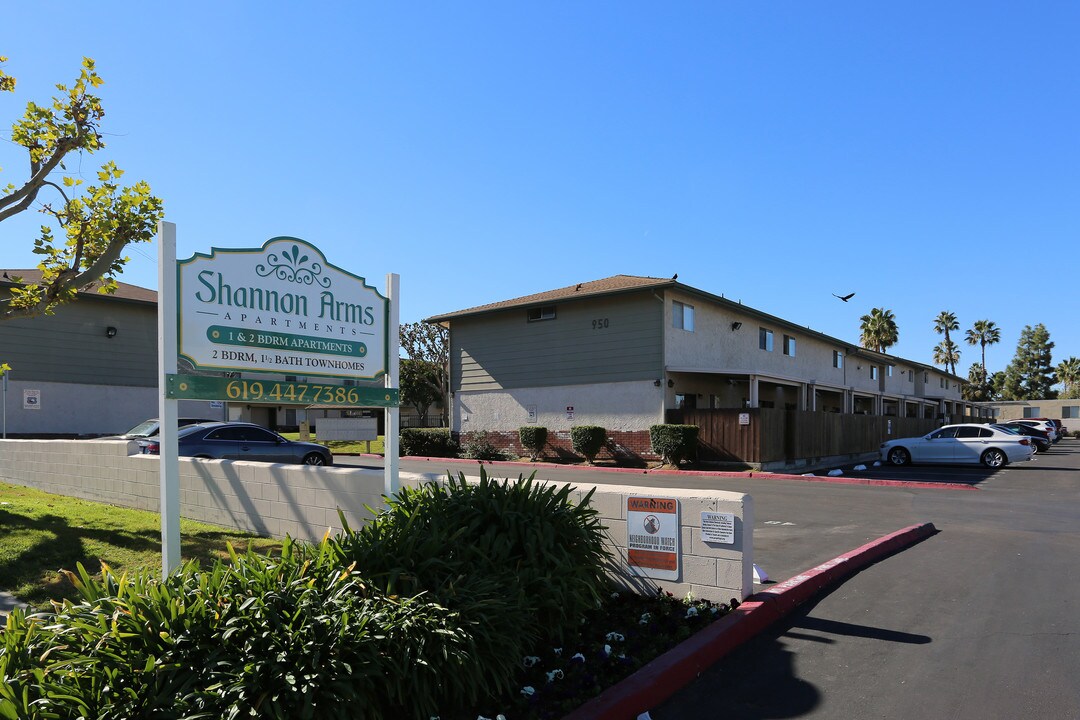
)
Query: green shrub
[
  {"x": 427, "y": 442},
  {"x": 533, "y": 439},
  {"x": 545, "y": 552},
  {"x": 1076, "y": 434},
  {"x": 478, "y": 446},
  {"x": 297, "y": 636},
  {"x": 588, "y": 440},
  {"x": 674, "y": 443}
]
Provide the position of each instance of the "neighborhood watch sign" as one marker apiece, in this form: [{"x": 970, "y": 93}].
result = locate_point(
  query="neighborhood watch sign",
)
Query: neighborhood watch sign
[{"x": 281, "y": 308}]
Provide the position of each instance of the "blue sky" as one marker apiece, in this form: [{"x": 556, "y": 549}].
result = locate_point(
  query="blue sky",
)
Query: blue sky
[{"x": 923, "y": 155}]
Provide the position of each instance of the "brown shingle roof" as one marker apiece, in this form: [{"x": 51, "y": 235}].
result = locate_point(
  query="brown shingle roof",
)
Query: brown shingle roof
[
  {"x": 124, "y": 291},
  {"x": 607, "y": 286}
]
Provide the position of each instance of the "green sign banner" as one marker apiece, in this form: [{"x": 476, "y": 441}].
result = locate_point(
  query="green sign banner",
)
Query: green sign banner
[
  {"x": 242, "y": 337},
  {"x": 199, "y": 387}
]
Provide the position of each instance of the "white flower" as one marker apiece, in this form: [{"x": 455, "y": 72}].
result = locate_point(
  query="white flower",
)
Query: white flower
[
  {"x": 578, "y": 656},
  {"x": 558, "y": 652},
  {"x": 645, "y": 618},
  {"x": 691, "y": 612},
  {"x": 607, "y": 650},
  {"x": 528, "y": 691},
  {"x": 555, "y": 675},
  {"x": 529, "y": 660},
  {"x": 614, "y": 637}
]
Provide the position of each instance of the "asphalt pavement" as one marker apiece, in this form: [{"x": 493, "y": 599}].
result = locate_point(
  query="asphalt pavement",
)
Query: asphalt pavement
[{"x": 982, "y": 620}]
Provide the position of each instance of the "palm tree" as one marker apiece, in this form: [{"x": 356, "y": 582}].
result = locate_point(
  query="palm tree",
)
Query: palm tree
[
  {"x": 983, "y": 333},
  {"x": 944, "y": 323},
  {"x": 946, "y": 353},
  {"x": 879, "y": 331},
  {"x": 1068, "y": 374}
]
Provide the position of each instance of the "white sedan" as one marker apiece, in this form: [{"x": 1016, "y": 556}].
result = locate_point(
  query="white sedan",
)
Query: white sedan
[{"x": 969, "y": 443}]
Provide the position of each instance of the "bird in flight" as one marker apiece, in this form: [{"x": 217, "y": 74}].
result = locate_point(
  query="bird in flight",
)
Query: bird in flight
[{"x": 845, "y": 298}]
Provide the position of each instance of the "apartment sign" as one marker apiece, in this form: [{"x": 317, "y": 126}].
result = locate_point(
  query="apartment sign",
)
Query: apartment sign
[
  {"x": 652, "y": 535},
  {"x": 281, "y": 308}
]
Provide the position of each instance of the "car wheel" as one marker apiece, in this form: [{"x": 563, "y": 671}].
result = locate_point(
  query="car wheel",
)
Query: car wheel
[
  {"x": 994, "y": 458},
  {"x": 899, "y": 456},
  {"x": 1036, "y": 448},
  {"x": 314, "y": 459}
]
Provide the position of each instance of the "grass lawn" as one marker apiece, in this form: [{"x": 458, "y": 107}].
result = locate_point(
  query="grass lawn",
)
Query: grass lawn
[
  {"x": 41, "y": 534},
  {"x": 343, "y": 446}
]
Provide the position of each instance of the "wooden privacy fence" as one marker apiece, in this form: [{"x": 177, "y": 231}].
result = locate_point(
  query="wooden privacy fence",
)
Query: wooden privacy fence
[{"x": 785, "y": 435}]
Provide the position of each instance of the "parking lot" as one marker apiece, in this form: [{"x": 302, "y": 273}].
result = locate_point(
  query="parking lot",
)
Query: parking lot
[{"x": 975, "y": 475}]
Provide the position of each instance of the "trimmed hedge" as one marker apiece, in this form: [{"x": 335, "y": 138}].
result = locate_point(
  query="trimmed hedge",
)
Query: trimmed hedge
[
  {"x": 674, "y": 443},
  {"x": 533, "y": 438},
  {"x": 427, "y": 442},
  {"x": 588, "y": 440}
]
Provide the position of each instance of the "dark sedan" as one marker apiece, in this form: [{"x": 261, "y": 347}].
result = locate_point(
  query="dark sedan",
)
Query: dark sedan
[
  {"x": 242, "y": 441},
  {"x": 1039, "y": 439}
]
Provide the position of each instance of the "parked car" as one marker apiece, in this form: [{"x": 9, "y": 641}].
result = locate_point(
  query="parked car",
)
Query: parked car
[
  {"x": 967, "y": 443},
  {"x": 1043, "y": 425},
  {"x": 1058, "y": 425},
  {"x": 1039, "y": 440},
  {"x": 241, "y": 441},
  {"x": 151, "y": 427}
]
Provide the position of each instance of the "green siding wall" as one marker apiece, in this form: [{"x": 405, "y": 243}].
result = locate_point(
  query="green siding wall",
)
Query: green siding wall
[
  {"x": 70, "y": 346},
  {"x": 503, "y": 350}
]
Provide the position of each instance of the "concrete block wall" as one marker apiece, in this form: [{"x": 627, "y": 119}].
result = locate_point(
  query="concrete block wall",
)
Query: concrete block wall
[{"x": 301, "y": 501}]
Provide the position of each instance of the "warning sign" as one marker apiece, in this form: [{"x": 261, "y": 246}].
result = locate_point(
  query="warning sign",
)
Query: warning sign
[{"x": 652, "y": 534}]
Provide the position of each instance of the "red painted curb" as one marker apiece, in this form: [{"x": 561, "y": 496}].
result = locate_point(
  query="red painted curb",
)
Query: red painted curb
[
  {"x": 664, "y": 676},
  {"x": 749, "y": 474}
]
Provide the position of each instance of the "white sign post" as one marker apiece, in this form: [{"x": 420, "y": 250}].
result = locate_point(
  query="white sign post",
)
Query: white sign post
[
  {"x": 169, "y": 466},
  {"x": 278, "y": 309}
]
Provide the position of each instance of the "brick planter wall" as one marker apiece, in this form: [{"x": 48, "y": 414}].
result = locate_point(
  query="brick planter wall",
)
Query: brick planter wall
[{"x": 627, "y": 447}]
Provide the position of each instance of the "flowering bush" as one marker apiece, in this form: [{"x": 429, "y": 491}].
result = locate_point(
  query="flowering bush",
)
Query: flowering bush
[{"x": 621, "y": 635}]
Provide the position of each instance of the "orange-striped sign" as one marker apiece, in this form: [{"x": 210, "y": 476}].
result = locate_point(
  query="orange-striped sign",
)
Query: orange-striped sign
[{"x": 652, "y": 534}]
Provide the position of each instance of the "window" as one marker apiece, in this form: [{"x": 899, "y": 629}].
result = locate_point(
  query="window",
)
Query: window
[
  {"x": 547, "y": 312},
  {"x": 911, "y": 376},
  {"x": 1031, "y": 412},
  {"x": 948, "y": 432},
  {"x": 941, "y": 382},
  {"x": 682, "y": 316},
  {"x": 765, "y": 339},
  {"x": 925, "y": 377},
  {"x": 1070, "y": 411},
  {"x": 873, "y": 372},
  {"x": 888, "y": 370},
  {"x": 789, "y": 345},
  {"x": 837, "y": 359}
]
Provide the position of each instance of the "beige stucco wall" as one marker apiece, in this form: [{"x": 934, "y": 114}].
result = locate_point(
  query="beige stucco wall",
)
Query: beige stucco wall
[
  {"x": 303, "y": 502},
  {"x": 614, "y": 406},
  {"x": 1053, "y": 409}
]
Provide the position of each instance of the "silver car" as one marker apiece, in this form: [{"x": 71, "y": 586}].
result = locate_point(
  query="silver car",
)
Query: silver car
[{"x": 968, "y": 444}]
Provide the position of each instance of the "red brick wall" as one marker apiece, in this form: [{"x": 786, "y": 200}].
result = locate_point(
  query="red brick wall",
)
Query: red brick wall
[{"x": 626, "y": 447}]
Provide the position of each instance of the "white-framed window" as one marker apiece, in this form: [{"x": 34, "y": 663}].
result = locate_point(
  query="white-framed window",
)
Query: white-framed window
[
  {"x": 911, "y": 376},
  {"x": 1030, "y": 412},
  {"x": 682, "y": 316},
  {"x": 888, "y": 370},
  {"x": 873, "y": 372},
  {"x": 789, "y": 345},
  {"x": 536, "y": 314},
  {"x": 1070, "y": 411},
  {"x": 837, "y": 359},
  {"x": 765, "y": 339}
]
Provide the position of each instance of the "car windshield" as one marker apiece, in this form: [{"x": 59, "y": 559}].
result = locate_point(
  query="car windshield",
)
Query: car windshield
[{"x": 144, "y": 429}]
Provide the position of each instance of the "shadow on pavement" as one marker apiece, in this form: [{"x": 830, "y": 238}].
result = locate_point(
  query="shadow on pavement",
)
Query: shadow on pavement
[{"x": 759, "y": 680}]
